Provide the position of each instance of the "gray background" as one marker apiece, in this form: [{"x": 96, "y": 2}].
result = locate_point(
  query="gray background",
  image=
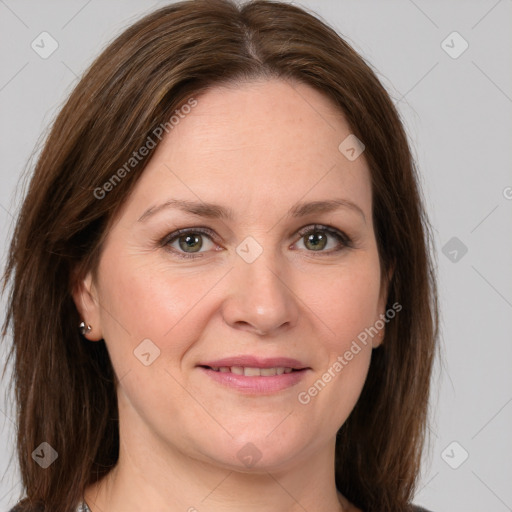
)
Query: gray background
[{"x": 458, "y": 115}]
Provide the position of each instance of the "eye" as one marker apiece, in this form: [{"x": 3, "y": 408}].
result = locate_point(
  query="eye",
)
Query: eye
[
  {"x": 316, "y": 238},
  {"x": 188, "y": 243}
]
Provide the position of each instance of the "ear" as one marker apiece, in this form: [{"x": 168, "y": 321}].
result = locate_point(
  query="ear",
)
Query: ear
[
  {"x": 381, "y": 309},
  {"x": 85, "y": 297}
]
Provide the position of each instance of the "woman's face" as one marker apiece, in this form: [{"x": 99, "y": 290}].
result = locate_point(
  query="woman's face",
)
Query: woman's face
[{"x": 251, "y": 288}]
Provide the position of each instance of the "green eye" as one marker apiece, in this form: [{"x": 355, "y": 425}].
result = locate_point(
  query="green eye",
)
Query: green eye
[
  {"x": 189, "y": 242},
  {"x": 316, "y": 238}
]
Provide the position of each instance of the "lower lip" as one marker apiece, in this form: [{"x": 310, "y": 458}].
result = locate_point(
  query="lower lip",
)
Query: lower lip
[{"x": 257, "y": 384}]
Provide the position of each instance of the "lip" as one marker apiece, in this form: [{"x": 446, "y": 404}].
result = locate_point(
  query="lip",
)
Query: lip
[
  {"x": 258, "y": 384},
  {"x": 256, "y": 362}
]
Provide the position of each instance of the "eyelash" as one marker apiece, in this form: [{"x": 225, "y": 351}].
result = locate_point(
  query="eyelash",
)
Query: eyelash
[{"x": 341, "y": 237}]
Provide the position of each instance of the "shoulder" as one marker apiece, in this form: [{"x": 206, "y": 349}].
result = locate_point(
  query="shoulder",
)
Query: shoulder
[{"x": 416, "y": 508}]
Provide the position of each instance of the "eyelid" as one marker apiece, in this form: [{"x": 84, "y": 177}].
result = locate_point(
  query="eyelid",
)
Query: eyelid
[
  {"x": 171, "y": 237},
  {"x": 341, "y": 237},
  {"x": 184, "y": 231},
  {"x": 337, "y": 233}
]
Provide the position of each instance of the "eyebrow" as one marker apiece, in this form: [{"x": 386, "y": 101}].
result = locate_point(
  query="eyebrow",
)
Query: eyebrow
[{"x": 217, "y": 211}]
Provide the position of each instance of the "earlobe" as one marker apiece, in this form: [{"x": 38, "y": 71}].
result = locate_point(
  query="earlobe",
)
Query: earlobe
[
  {"x": 87, "y": 305},
  {"x": 385, "y": 286},
  {"x": 379, "y": 338}
]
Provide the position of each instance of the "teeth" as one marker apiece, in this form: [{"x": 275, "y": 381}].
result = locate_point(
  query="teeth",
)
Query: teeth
[{"x": 252, "y": 372}]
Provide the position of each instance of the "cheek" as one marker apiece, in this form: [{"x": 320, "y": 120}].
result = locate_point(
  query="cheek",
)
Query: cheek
[
  {"x": 347, "y": 306},
  {"x": 346, "y": 301},
  {"x": 149, "y": 309},
  {"x": 145, "y": 298}
]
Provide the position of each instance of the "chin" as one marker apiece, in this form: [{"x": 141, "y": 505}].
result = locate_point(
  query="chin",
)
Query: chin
[{"x": 257, "y": 453}]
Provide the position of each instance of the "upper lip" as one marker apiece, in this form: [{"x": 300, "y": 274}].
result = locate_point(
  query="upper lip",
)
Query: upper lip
[{"x": 256, "y": 362}]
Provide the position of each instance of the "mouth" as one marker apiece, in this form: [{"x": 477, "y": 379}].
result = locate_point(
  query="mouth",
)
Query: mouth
[
  {"x": 251, "y": 375},
  {"x": 249, "y": 371}
]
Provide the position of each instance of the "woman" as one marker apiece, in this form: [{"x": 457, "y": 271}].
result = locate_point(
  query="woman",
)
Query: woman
[{"x": 222, "y": 297}]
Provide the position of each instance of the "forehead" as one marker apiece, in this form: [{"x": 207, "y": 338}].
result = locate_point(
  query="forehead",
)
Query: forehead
[{"x": 262, "y": 143}]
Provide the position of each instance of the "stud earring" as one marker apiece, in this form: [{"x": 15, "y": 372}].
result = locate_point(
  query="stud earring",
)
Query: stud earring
[{"x": 84, "y": 329}]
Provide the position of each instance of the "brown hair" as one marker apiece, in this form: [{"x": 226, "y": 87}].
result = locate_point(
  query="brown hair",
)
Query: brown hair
[{"x": 65, "y": 389}]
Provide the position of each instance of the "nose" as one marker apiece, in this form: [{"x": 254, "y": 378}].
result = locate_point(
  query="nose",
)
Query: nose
[{"x": 260, "y": 296}]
